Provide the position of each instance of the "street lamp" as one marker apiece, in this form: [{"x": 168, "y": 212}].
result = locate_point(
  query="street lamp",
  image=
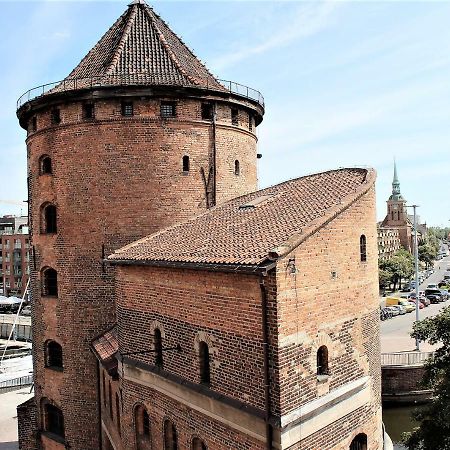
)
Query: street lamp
[{"x": 416, "y": 260}]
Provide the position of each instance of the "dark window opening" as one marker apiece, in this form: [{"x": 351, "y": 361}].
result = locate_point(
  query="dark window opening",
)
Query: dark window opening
[
  {"x": 45, "y": 165},
  {"x": 127, "y": 109},
  {"x": 207, "y": 111},
  {"x": 118, "y": 413},
  {"x": 49, "y": 213},
  {"x": 54, "y": 355},
  {"x": 145, "y": 423},
  {"x": 53, "y": 420},
  {"x": 168, "y": 109},
  {"x": 359, "y": 442},
  {"x": 55, "y": 116},
  {"x": 50, "y": 283},
  {"x": 363, "y": 248},
  {"x": 198, "y": 444},
  {"x": 234, "y": 116},
  {"x": 104, "y": 388},
  {"x": 88, "y": 111},
  {"x": 142, "y": 427},
  {"x": 322, "y": 361},
  {"x": 170, "y": 436},
  {"x": 237, "y": 168},
  {"x": 34, "y": 124},
  {"x": 205, "y": 366},
  {"x": 185, "y": 163},
  {"x": 158, "y": 348},
  {"x": 250, "y": 122}
]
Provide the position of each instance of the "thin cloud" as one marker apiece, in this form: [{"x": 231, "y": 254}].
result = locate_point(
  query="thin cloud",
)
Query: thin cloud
[{"x": 309, "y": 20}]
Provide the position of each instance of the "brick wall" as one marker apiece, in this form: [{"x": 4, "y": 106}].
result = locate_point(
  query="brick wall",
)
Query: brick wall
[
  {"x": 401, "y": 380},
  {"x": 26, "y": 415},
  {"x": 114, "y": 179}
]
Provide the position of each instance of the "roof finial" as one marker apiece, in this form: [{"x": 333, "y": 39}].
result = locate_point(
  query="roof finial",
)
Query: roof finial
[
  {"x": 138, "y": 2},
  {"x": 395, "y": 180}
]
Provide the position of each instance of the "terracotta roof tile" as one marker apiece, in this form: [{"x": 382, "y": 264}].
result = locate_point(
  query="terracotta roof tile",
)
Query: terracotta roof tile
[
  {"x": 253, "y": 228},
  {"x": 140, "y": 49},
  {"x": 106, "y": 345}
]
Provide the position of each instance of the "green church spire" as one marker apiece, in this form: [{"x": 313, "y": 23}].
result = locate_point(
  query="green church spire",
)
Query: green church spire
[{"x": 396, "y": 195}]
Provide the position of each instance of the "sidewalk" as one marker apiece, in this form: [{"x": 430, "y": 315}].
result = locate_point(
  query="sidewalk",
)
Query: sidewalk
[{"x": 8, "y": 417}]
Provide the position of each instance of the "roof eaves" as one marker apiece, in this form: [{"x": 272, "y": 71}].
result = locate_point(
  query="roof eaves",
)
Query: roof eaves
[{"x": 296, "y": 239}]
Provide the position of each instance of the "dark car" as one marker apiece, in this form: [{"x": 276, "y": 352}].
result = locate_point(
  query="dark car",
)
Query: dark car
[
  {"x": 436, "y": 292},
  {"x": 434, "y": 298}
]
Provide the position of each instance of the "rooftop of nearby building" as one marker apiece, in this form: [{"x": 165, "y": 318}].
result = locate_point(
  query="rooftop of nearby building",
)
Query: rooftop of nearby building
[{"x": 256, "y": 228}]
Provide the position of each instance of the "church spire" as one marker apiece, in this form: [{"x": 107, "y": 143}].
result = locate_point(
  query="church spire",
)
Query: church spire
[{"x": 396, "y": 195}]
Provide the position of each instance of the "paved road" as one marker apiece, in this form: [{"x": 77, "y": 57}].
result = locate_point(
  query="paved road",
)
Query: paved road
[{"x": 395, "y": 332}]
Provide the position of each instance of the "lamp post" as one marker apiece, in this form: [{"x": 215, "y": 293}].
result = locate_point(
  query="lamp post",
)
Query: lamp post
[{"x": 416, "y": 260}]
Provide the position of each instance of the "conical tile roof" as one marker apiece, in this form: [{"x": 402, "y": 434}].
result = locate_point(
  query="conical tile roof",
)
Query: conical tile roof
[{"x": 140, "y": 49}]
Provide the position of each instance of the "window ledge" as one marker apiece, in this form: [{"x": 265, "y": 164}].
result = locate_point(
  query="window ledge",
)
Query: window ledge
[{"x": 54, "y": 437}]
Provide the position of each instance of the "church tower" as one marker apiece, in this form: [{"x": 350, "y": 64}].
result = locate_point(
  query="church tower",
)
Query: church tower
[
  {"x": 138, "y": 137},
  {"x": 397, "y": 215}
]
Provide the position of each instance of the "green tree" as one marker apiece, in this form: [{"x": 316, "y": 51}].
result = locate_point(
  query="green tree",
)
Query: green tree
[
  {"x": 427, "y": 253},
  {"x": 402, "y": 266},
  {"x": 384, "y": 278},
  {"x": 434, "y": 430}
]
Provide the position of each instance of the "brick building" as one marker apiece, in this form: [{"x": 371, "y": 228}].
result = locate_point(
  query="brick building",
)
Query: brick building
[
  {"x": 14, "y": 255},
  {"x": 388, "y": 241},
  {"x": 228, "y": 330}
]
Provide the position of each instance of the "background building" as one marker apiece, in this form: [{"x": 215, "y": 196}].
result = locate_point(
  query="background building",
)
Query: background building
[
  {"x": 14, "y": 255},
  {"x": 388, "y": 241}
]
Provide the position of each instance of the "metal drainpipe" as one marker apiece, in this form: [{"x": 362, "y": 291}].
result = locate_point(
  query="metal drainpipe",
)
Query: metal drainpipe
[
  {"x": 265, "y": 336},
  {"x": 214, "y": 186}
]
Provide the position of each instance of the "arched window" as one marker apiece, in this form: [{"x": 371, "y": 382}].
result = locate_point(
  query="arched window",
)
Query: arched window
[
  {"x": 158, "y": 347},
  {"x": 53, "y": 355},
  {"x": 53, "y": 419},
  {"x": 185, "y": 163},
  {"x": 359, "y": 442},
  {"x": 322, "y": 360},
  {"x": 205, "y": 367},
  {"x": 237, "y": 169},
  {"x": 362, "y": 248},
  {"x": 198, "y": 444},
  {"x": 142, "y": 427},
  {"x": 49, "y": 282},
  {"x": 45, "y": 165},
  {"x": 118, "y": 412},
  {"x": 48, "y": 218},
  {"x": 170, "y": 436}
]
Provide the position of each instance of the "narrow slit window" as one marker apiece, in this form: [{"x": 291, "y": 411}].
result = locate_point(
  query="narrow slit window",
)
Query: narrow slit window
[
  {"x": 45, "y": 165},
  {"x": 34, "y": 123},
  {"x": 198, "y": 444},
  {"x": 168, "y": 109},
  {"x": 53, "y": 420},
  {"x": 250, "y": 122},
  {"x": 237, "y": 168},
  {"x": 322, "y": 361},
  {"x": 118, "y": 413},
  {"x": 49, "y": 282},
  {"x": 49, "y": 219},
  {"x": 158, "y": 348},
  {"x": 127, "y": 109},
  {"x": 205, "y": 366},
  {"x": 110, "y": 399},
  {"x": 170, "y": 436},
  {"x": 54, "y": 355},
  {"x": 363, "y": 248},
  {"x": 186, "y": 163}
]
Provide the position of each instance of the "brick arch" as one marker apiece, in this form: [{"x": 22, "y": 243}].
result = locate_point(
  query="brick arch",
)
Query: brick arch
[
  {"x": 202, "y": 336},
  {"x": 157, "y": 324},
  {"x": 353, "y": 435},
  {"x": 320, "y": 340}
]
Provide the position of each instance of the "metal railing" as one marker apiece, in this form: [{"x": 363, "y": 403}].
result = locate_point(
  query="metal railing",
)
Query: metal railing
[
  {"x": 404, "y": 359},
  {"x": 16, "y": 383},
  {"x": 138, "y": 79}
]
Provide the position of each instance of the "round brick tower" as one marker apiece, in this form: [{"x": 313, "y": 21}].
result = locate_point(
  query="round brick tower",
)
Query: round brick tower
[{"x": 138, "y": 137}]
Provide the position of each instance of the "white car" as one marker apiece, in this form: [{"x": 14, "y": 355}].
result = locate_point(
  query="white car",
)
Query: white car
[{"x": 432, "y": 286}]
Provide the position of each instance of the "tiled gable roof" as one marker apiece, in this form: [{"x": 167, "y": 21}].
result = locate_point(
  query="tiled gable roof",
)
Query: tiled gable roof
[
  {"x": 140, "y": 49},
  {"x": 106, "y": 345},
  {"x": 252, "y": 229}
]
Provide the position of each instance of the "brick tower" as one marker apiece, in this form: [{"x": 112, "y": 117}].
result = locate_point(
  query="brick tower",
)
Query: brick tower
[{"x": 138, "y": 137}]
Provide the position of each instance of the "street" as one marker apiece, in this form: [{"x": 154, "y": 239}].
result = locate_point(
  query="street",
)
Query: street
[{"x": 395, "y": 332}]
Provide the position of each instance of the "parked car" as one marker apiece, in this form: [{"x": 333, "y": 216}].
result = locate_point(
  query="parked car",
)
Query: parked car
[
  {"x": 434, "y": 298},
  {"x": 421, "y": 302},
  {"x": 395, "y": 311},
  {"x": 432, "y": 286},
  {"x": 407, "y": 305},
  {"x": 436, "y": 292},
  {"x": 444, "y": 293},
  {"x": 385, "y": 313},
  {"x": 406, "y": 287}
]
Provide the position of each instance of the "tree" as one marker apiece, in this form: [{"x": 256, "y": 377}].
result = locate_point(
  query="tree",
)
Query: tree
[
  {"x": 434, "y": 430},
  {"x": 384, "y": 278},
  {"x": 401, "y": 265},
  {"x": 427, "y": 253}
]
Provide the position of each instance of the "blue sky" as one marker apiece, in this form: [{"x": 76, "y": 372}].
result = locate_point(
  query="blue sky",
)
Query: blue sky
[{"x": 345, "y": 83}]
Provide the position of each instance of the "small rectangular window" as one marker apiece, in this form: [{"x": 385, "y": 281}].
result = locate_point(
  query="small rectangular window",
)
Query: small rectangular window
[
  {"x": 207, "y": 111},
  {"x": 250, "y": 122},
  {"x": 127, "y": 109},
  {"x": 88, "y": 111},
  {"x": 56, "y": 116},
  {"x": 168, "y": 109},
  {"x": 234, "y": 116},
  {"x": 34, "y": 123}
]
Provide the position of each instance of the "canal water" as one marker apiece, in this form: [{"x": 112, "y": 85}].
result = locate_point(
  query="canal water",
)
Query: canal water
[{"x": 397, "y": 420}]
